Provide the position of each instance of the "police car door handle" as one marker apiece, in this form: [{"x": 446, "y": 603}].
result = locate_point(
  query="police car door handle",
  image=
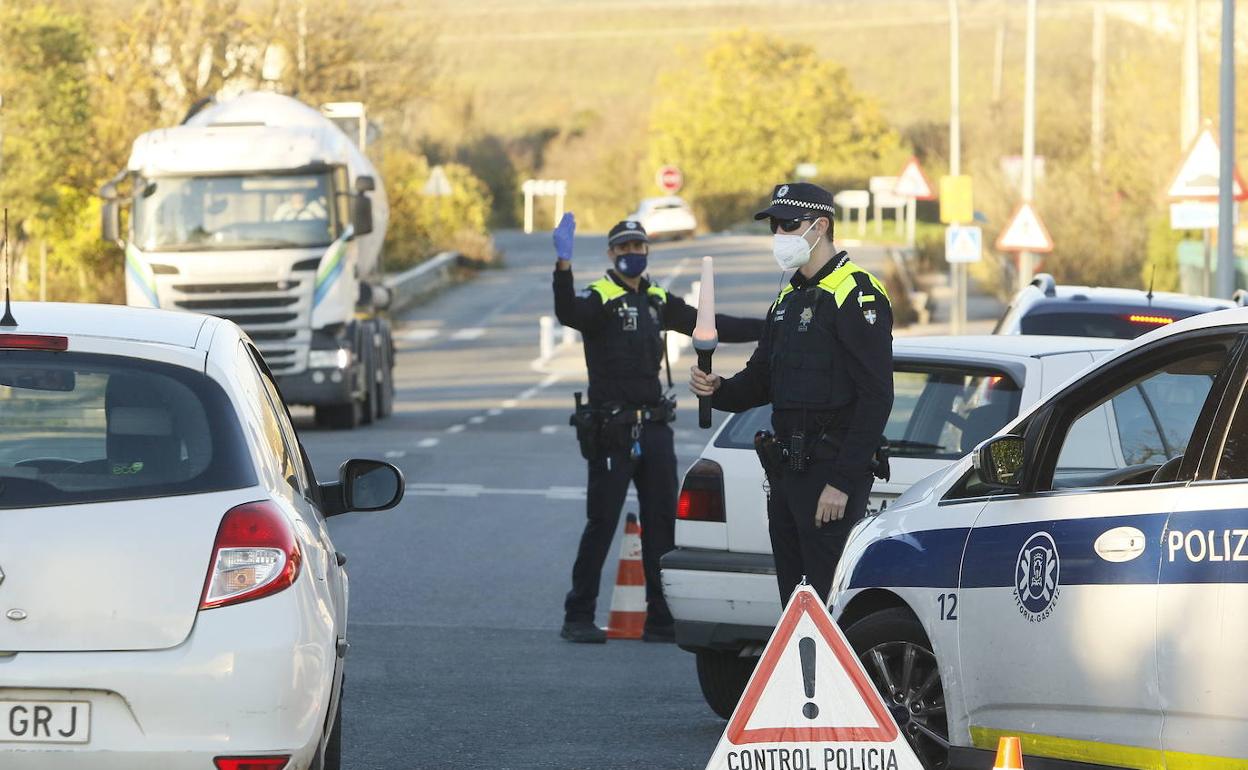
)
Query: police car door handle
[{"x": 1120, "y": 544}]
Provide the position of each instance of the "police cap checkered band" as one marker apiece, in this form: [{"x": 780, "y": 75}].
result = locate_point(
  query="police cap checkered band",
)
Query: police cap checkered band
[
  {"x": 627, "y": 230},
  {"x": 798, "y": 199}
]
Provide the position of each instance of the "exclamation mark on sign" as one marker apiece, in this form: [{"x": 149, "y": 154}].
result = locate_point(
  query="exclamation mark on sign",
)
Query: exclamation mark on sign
[{"x": 806, "y": 649}]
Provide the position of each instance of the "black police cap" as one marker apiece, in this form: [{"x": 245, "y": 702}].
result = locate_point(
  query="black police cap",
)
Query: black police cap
[
  {"x": 627, "y": 230},
  {"x": 798, "y": 199}
]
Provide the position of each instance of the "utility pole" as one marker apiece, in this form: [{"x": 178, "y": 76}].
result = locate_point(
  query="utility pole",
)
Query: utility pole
[
  {"x": 1026, "y": 260},
  {"x": 998, "y": 64},
  {"x": 957, "y": 271},
  {"x": 1226, "y": 167},
  {"x": 1098, "y": 87},
  {"x": 1189, "y": 109}
]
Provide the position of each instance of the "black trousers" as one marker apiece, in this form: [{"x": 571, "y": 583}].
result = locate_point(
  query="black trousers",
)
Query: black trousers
[
  {"x": 654, "y": 475},
  {"x": 801, "y": 549}
]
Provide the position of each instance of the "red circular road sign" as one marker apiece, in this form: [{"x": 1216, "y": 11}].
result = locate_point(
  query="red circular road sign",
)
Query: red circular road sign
[{"x": 669, "y": 179}]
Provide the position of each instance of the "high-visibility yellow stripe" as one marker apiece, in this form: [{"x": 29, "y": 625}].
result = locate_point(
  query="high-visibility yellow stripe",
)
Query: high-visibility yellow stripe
[
  {"x": 1112, "y": 754},
  {"x": 658, "y": 291},
  {"x": 606, "y": 289}
]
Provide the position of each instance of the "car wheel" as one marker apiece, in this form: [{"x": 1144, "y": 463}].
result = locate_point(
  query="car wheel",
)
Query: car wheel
[
  {"x": 385, "y": 388},
  {"x": 897, "y": 655},
  {"x": 723, "y": 677}
]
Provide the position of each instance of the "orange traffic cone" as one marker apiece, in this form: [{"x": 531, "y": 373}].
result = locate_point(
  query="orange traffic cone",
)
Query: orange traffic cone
[
  {"x": 628, "y": 600},
  {"x": 1009, "y": 755}
]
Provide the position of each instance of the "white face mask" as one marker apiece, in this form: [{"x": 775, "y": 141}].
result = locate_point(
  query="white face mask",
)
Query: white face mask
[{"x": 792, "y": 251}]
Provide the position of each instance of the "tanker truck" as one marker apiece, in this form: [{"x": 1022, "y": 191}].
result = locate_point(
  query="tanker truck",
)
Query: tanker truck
[{"x": 261, "y": 210}]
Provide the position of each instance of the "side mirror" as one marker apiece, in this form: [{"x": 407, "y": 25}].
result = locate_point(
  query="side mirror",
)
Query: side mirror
[
  {"x": 362, "y": 215},
  {"x": 999, "y": 462},
  {"x": 363, "y": 485},
  {"x": 365, "y": 184}
]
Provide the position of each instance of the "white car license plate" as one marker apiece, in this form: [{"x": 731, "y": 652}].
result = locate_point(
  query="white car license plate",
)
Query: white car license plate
[{"x": 34, "y": 721}]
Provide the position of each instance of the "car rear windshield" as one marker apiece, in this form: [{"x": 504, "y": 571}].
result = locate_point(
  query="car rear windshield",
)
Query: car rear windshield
[
  {"x": 939, "y": 411},
  {"x": 80, "y": 428},
  {"x": 1116, "y": 323}
]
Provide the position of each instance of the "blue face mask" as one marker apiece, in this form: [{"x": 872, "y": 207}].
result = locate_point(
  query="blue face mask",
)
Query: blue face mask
[{"x": 630, "y": 265}]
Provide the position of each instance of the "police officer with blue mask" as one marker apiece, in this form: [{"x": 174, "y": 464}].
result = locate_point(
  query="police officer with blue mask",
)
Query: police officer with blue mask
[
  {"x": 825, "y": 364},
  {"x": 623, "y": 429}
]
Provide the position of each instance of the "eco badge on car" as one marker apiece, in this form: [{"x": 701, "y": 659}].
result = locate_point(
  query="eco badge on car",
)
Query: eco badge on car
[{"x": 1037, "y": 576}]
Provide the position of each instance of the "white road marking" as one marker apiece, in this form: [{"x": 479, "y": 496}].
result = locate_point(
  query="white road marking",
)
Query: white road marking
[
  {"x": 395, "y": 454},
  {"x": 427, "y": 443},
  {"x": 494, "y": 412},
  {"x": 473, "y": 333},
  {"x": 530, "y": 393},
  {"x": 456, "y": 429},
  {"x": 419, "y": 335},
  {"x": 550, "y": 430},
  {"x": 510, "y": 403},
  {"x": 476, "y": 420}
]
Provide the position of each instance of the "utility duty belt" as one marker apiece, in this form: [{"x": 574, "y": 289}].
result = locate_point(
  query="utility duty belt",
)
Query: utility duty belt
[
  {"x": 797, "y": 452},
  {"x": 601, "y": 430}
]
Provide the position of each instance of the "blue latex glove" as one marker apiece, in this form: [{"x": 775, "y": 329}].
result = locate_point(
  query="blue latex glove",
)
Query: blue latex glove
[{"x": 563, "y": 236}]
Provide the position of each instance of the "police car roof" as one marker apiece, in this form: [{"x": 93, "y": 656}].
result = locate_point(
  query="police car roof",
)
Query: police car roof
[
  {"x": 1029, "y": 346},
  {"x": 1098, "y": 297},
  {"x": 114, "y": 322}
]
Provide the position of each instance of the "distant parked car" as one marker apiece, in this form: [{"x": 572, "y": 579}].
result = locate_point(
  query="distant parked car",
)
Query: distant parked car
[
  {"x": 952, "y": 393},
  {"x": 1044, "y": 307},
  {"x": 668, "y": 217}
]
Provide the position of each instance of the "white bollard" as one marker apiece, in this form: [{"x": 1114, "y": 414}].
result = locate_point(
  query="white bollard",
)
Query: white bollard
[
  {"x": 675, "y": 342},
  {"x": 546, "y": 338},
  {"x": 569, "y": 336}
]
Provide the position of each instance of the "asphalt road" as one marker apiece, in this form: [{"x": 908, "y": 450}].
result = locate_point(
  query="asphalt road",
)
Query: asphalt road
[{"x": 457, "y": 595}]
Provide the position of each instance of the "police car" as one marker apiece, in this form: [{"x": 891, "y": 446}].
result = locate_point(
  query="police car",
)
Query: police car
[
  {"x": 1045, "y": 307},
  {"x": 951, "y": 393},
  {"x": 1081, "y": 578},
  {"x": 169, "y": 594}
]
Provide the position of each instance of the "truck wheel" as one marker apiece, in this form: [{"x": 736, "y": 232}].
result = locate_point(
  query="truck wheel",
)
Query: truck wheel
[
  {"x": 339, "y": 416},
  {"x": 898, "y": 657},
  {"x": 723, "y": 677},
  {"x": 369, "y": 407},
  {"x": 385, "y": 387}
]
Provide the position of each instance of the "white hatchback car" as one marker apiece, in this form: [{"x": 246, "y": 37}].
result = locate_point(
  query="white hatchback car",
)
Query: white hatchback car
[
  {"x": 169, "y": 595},
  {"x": 668, "y": 217},
  {"x": 1080, "y": 580},
  {"x": 951, "y": 393}
]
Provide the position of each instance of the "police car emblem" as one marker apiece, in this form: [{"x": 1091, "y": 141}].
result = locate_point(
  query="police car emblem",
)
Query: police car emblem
[
  {"x": 870, "y": 316},
  {"x": 1037, "y": 576}
]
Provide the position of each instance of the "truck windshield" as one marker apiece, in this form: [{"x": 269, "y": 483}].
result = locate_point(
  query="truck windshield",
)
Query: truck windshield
[{"x": 235, "y": 212}]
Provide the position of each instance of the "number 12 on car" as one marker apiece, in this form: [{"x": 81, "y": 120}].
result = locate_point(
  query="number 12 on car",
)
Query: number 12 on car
[{"x": 948, "y": 606}]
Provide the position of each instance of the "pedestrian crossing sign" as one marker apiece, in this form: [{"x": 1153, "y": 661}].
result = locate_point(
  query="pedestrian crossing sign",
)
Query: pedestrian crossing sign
[
  {"x": 810, "y": 703},
  {"x": 964, "y": 244},
  {"x": 1025, "y": 232}
]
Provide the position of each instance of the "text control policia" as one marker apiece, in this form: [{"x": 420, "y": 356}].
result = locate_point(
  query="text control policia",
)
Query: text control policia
[
  {"x": 623, "y": 429},
  {"x": 825, "y": 364}
]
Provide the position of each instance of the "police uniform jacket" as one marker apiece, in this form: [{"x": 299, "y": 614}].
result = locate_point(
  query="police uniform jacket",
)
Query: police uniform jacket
[
  {"x": 825, "y": 363},
  {"x": 623, "y": 334}
]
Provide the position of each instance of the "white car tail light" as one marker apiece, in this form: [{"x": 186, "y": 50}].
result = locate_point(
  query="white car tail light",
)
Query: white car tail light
[
  {"x": 255, "y": 555},
  {"x": 702, "y": 495}
]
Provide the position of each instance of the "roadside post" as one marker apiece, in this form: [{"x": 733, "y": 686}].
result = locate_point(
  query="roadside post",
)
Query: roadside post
[
  {"x": 956, "y": 207},
  {"x": 913, "y": 185},
  {"x": 538, "y": 188}
]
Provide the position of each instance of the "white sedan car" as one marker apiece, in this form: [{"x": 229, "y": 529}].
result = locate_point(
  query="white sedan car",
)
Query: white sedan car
[
  {"x": 1080, "y": 580},
  {"x": 668, "y": 217},
  {"x": 169, "y": 595},
  {"x": 951, "y": 394}
]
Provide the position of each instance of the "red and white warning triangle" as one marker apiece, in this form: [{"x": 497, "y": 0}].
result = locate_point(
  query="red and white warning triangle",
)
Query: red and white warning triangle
[
  {"x": 1197, "y": 178},
  {"x": 913, "y": 183},
  {"x": 1025, "y": 232},
  {"x": 810, "y": 704}
]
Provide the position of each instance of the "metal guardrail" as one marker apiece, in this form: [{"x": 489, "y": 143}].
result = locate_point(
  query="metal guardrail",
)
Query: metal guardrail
[{"x": 409, "y": 287}]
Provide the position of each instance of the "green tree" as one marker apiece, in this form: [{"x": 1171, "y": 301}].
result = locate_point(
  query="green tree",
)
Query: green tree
[
  {"x": 422, "y": 224},
  {"x": 754, "y": 107}
]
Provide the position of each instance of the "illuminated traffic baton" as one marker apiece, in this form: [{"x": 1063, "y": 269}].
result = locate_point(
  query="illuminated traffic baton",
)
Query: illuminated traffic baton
[{"x": 705, "y": 338}]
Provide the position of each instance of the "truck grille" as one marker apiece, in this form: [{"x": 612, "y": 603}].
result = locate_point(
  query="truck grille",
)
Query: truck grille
[{"x": 276, "y": 315}]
